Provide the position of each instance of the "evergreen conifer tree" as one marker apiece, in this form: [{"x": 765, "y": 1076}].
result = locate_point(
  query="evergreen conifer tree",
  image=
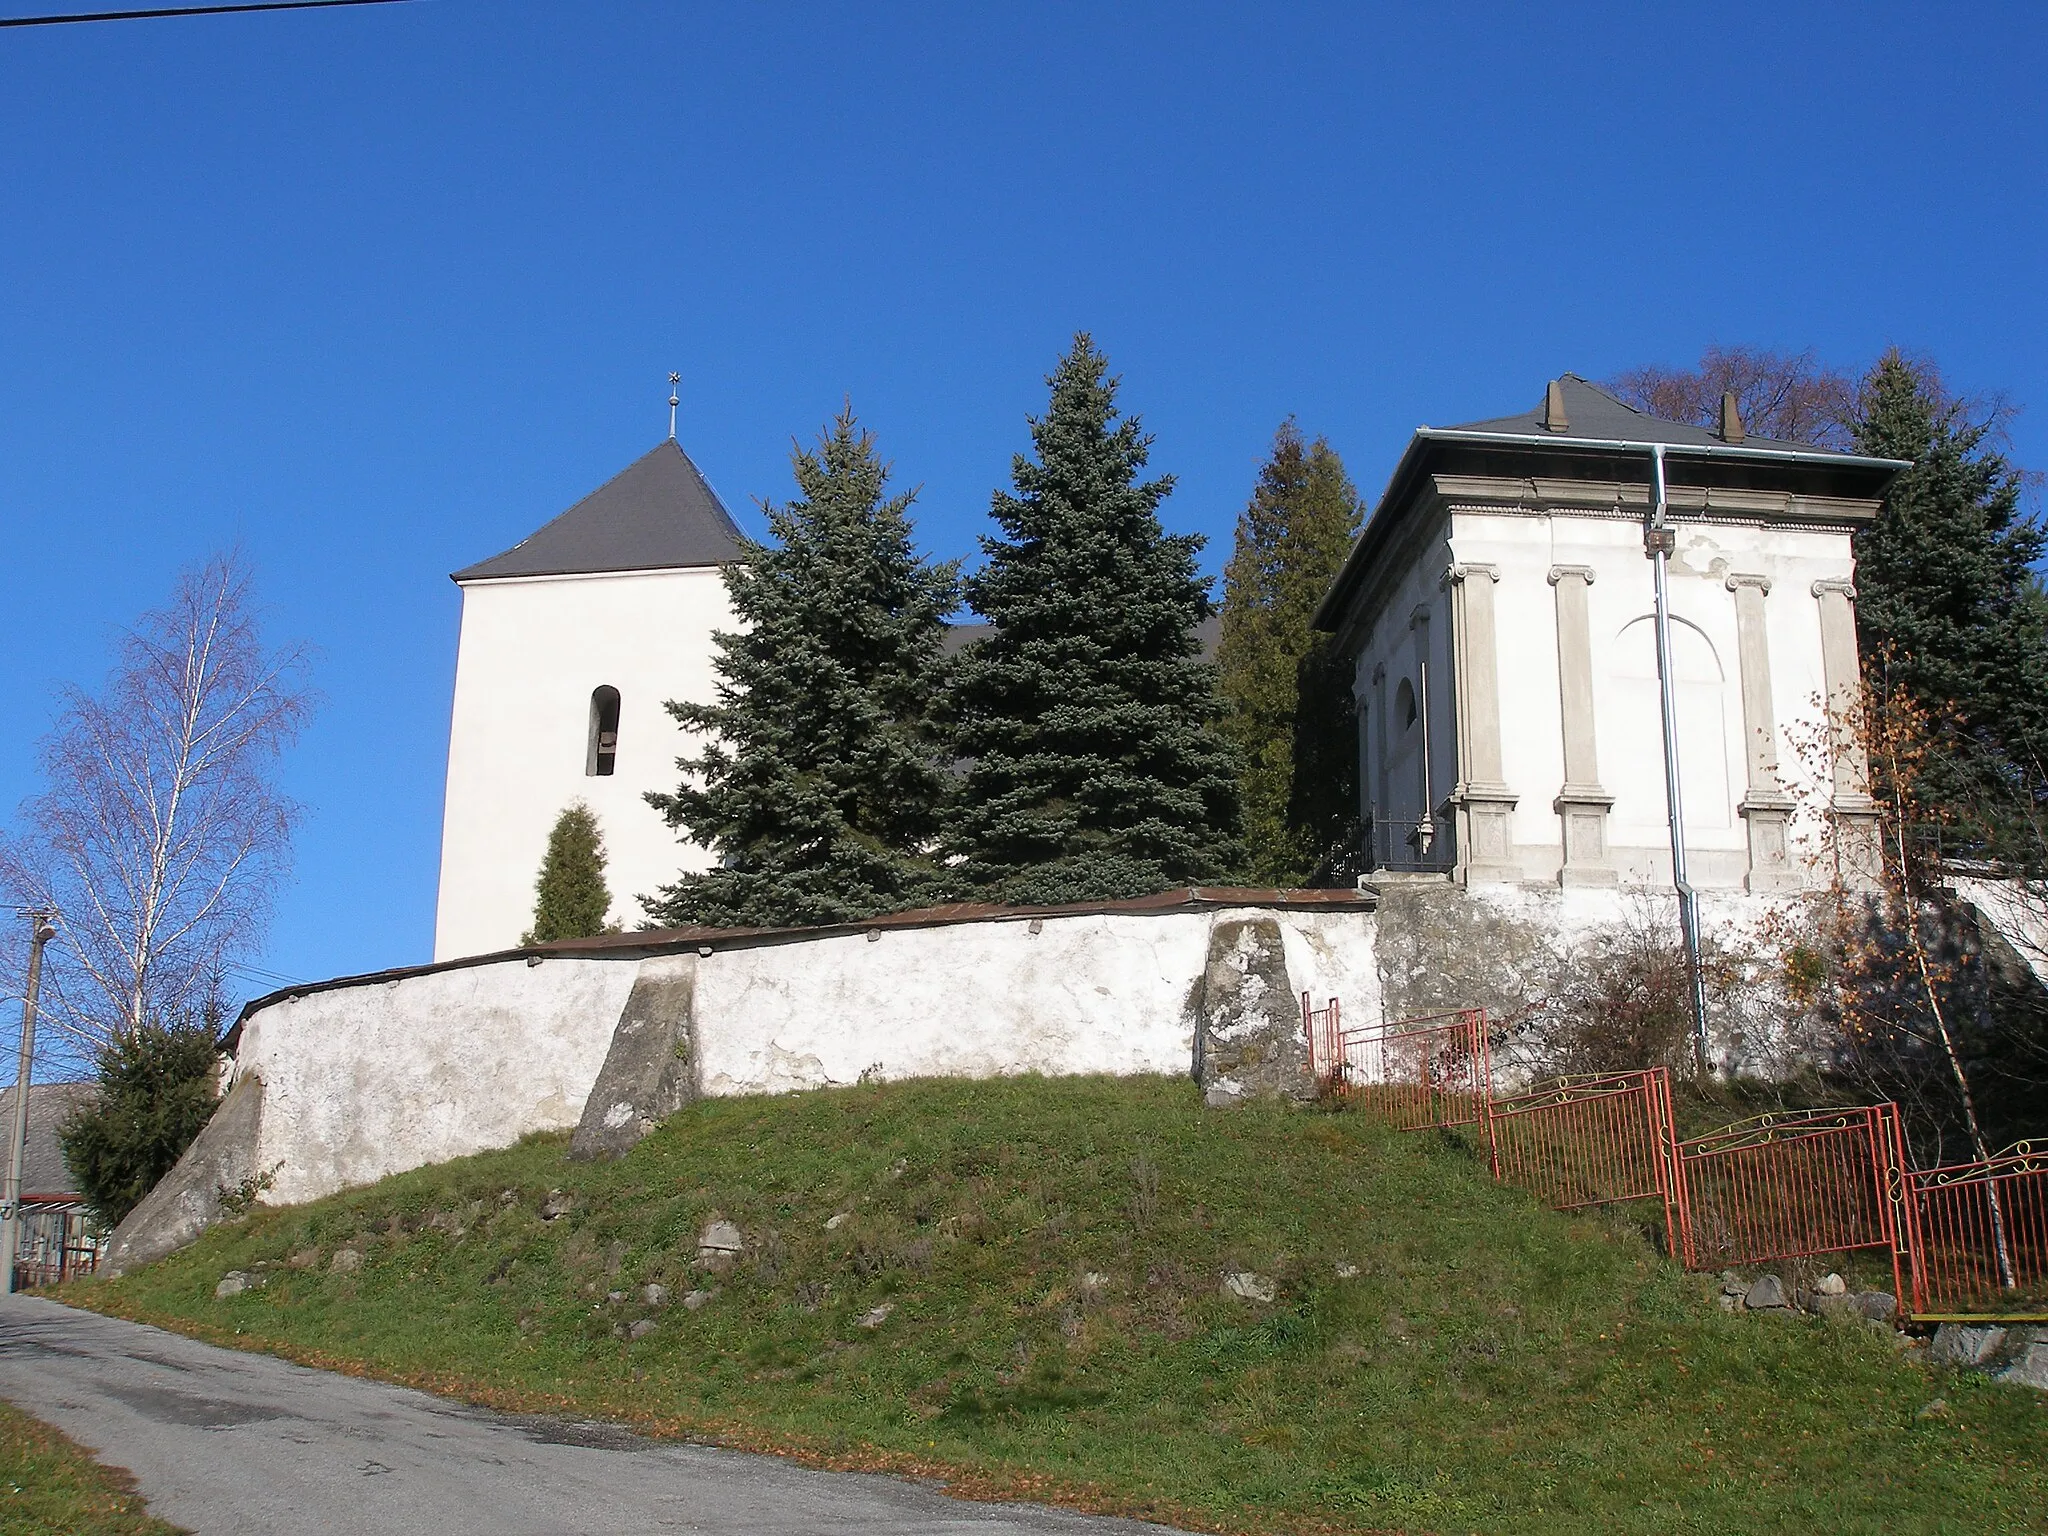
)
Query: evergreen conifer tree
[
  {"x": 1086, "y": 717},
  {"x": 570, "y": 897},
  {"x": 1948, "y": 601},
  {"x": 820, "y": 780},
  {"x": 1290, "y": 711},
  {"x": 155, "y": 1093}
]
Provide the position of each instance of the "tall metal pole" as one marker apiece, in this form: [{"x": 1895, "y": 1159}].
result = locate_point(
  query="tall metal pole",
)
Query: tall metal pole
[
  {"x": 40, "y": 932},
  {"x": 1658, "y": 543}
]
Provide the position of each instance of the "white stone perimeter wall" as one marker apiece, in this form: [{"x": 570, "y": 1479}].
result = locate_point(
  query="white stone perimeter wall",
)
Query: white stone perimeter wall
[{"x": 366, "y": 1080}]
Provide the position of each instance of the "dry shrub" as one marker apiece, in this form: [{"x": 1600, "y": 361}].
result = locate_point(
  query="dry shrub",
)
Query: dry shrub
[{"x": 1625, "y": 1002}]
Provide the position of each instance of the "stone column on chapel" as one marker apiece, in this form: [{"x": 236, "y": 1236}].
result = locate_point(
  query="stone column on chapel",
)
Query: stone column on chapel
[
  {"x": 1849, "y": 804},
  {"x": 1483, "y": 803},
  {"x": 1581, "y": 805},
  {"x": 1765, "y": 807}
]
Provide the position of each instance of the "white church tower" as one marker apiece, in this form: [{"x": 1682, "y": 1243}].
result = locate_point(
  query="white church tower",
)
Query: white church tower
[{"x": 572, "y": 640}]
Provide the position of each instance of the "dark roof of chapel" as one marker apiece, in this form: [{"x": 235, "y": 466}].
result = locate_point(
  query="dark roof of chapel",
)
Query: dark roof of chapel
[
  {"x": 656, "y": 514},
  {"x": 1603, "y": 439},
  {"x": 1591, "y": 412}
]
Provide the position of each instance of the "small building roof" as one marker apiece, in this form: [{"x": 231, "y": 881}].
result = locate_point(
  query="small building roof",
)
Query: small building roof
[
  {"x": 1591, "y": 413},
  {"x": 1578, "y": 431},
  {"x": 44, "y": 1176},
  {"x": 658, "y": 513}
]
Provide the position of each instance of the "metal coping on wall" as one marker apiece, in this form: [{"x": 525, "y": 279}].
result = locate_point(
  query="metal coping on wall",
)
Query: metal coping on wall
[{"x": 668, "y": 941}]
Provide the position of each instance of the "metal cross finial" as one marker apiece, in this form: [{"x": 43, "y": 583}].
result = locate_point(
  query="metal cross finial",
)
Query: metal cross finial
[{"x": 674, "y": 399}]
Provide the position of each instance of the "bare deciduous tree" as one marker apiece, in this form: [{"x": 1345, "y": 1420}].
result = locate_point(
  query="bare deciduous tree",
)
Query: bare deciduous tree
[
  {"x": 161, "y": 836},
  {"x": 1786, "y": 396},
  {"x": 1886, "y": 966}
]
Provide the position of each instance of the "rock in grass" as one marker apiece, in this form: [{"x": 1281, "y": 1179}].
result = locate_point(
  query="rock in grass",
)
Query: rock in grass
[
  {"x": 556, "y": 1205},
  {"x": 1830, "y": 1285},
  {"x": 654, "y": 1295},
  {"x": 305, "y": 1258},
  {"x": 697, "y": 1299},
  {"x": 1246, "y": 1286},
  {"x": 234, "y": 1282},
  {"x": 2029, "y": 1368},
  {"x": 1347, "y": 1271},
  {"x": 641, "y": 1329},
  {"x": 1878, "y": 1306},
  {"x": 719, "y": 1244},
  {"x": 878, "y": 1316},
  {"x": 346, "y": 1261},
  {"x": 1767, "y": 1294},
  {"x": 1956, "y": 1344}
]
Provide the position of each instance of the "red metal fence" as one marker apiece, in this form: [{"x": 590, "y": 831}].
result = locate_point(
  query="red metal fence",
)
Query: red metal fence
[
  {"x": 1795, "y": 1185},
  {"x": 1972, "y": 1240},
  {"x": 1584, "y": 1141},
  {"x": 1980, "y": 1235},
  {"x": 1324, "y": 1028},
  {"x": 1427, "y": 1071}
]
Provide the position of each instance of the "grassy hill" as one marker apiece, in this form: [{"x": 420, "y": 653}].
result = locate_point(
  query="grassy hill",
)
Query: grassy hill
[{"x": 1439, "y": 1353}]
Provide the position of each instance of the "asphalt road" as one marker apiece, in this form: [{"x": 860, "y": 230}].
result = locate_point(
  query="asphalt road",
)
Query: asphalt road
[{"x": 224, "y": 1442}]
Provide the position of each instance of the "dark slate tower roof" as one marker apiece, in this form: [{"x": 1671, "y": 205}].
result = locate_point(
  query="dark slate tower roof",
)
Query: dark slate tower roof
[{"x": 656, "y": 514}]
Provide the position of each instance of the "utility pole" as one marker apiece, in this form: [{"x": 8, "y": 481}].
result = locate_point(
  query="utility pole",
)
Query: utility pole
[{"x": 40, "y": 932}]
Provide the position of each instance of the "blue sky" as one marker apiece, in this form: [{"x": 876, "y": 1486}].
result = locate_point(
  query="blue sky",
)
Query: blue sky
[{"x": 377, "y": 292}]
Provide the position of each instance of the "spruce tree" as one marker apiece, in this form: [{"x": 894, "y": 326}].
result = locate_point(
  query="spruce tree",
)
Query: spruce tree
[
  {"x": 156, "y": 1090},
  {"x": 570, "y": 897},
  {"x": 1085, "y": 719},
  {"x": 1948, "y": 601},
  {"x": 820, "y": 779},
  {"x": 1290, "y": 711}
]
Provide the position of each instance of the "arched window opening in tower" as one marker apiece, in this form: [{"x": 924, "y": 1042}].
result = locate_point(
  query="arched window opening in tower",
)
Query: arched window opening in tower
[{"x": 603, "y": 753}]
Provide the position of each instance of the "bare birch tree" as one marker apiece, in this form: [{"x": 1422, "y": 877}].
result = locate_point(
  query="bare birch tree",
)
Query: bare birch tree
[
  {"x": 1887, "y": 966},
  {"x": 161, "y": 837}
]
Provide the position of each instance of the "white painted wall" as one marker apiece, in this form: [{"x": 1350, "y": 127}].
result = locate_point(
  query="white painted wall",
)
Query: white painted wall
[
  {"x": 1524, "y": 545},
  {"x": 1626, "y": 710},
  {"x": 1414, "y": 626},
  {"x": 532, "y": 651},
  {"x": 370, "y": 1079}
]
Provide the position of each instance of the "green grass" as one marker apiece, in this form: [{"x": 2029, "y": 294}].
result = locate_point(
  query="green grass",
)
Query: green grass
[
  {"x": 47, "y": 1483},
  {"x": 1491, "y": 1366}
]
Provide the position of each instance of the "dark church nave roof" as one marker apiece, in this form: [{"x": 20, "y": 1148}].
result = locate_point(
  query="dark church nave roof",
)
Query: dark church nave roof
[{"x": 656, "y": 514}]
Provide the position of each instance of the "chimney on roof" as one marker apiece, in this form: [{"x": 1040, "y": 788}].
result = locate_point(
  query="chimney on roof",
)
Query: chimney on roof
[
  {"x": 1730, "y": 429},
  {"x": 1554, "y": 418}
]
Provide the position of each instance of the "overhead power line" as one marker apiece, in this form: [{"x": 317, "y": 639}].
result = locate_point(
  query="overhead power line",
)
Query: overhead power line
[{"x": 184, "y": 10}]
